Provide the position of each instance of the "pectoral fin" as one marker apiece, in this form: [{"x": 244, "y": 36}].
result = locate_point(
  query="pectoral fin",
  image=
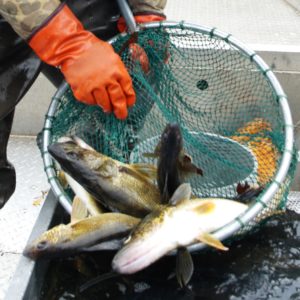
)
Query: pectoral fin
[
  {"x": 79, "y": 210},
  {"x": 154, "y": 154},
  {"x": 184, "y": 266},
  {"x": 187, "y": 166},
  {"x": 210, "y": 240},
  {"x": 109, "y": 169},
  {"x": 146, "y": 169},
  {"x": 182, "y": 193}
]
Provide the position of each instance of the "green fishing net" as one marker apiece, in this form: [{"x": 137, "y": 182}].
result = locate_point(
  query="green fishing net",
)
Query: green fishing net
[{"x": 228, "y": 112}]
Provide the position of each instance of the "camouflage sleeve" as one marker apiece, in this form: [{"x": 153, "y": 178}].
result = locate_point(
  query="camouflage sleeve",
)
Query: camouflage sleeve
[
  {"x": 147, "y": 6},
  {"x": 27, "y": 15}
]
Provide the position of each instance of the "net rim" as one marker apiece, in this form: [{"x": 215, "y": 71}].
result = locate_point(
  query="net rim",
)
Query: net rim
[{"x": 231, "y": 228}]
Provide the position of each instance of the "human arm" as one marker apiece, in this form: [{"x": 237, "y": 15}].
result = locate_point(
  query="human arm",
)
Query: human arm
[{"x": 94, "y": 71}]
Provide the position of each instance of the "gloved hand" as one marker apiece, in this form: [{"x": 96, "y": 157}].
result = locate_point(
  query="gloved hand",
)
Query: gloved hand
[
  {"x": 96, "y": 74},
  {"x": 140, "y": 19}
]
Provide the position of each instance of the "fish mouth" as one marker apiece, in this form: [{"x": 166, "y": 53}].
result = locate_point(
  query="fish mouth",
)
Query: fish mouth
[
  {"x": 136, "y": 256},
  {"x": 31, "y": 252}
]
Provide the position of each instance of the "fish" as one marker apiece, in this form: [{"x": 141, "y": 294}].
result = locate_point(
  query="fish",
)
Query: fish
[
  {"x": 170, "y": 175},
  {"x": 138, "y": 55},
  {"x": 119, "y": 187},
  {"x": 174, "y": 164},
  {"x": 181, "y": 223},
  {"x": 93, "y": 207},
  {"x": 100, "y": 232}
]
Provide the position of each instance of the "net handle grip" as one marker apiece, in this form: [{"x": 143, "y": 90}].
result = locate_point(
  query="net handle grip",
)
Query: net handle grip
[{"x": 127, "y": 15}]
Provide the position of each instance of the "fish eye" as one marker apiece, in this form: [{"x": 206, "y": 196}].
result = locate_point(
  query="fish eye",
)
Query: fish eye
[
  {"x": 42, "y": 245},
  {"x": 73, "y": 154}
]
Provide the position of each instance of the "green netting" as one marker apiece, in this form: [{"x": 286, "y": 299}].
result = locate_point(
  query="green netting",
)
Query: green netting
[{"x": 227, "y": 109}]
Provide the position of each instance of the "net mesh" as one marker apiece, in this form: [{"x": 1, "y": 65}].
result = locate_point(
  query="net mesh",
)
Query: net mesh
[{"x": 228, "y": 112}]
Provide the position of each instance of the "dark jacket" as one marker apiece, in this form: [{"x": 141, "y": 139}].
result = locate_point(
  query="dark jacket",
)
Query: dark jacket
[{"x": 19, "y": 66}]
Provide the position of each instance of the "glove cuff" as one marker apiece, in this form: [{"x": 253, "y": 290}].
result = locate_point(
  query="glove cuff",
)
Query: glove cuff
[
  {"x": 60, "y": 38},
  {"x": 141, "y": 18}
]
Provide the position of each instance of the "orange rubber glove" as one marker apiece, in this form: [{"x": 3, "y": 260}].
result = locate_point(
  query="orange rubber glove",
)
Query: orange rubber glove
[
  {"x": 140, "y": 19},
  {"x": 96, "y": 74}
]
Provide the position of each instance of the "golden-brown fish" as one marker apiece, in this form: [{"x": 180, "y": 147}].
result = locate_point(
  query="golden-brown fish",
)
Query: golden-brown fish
[
  {"x": 181, "y": 223},
  {"x": 120, "y": 187},
  {"x": 90, "y": 234}
]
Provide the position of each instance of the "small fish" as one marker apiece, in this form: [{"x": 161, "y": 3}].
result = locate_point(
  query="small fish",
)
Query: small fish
[
  {"x": 183, "y": 222},
  {"x": 138, "y": 54},
  {"x": 119, "y": 187},
  {"x": 174, "y": 165},
  {"x": 169, "y": 177},
  {"x": 84, "y": 235}
]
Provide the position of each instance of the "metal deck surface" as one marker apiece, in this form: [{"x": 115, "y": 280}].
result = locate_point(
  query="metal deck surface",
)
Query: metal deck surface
[{"x": 18, "y": 216}]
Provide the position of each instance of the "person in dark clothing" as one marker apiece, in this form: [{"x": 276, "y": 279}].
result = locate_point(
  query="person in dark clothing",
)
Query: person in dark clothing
[{"x": 63, "y": 40}]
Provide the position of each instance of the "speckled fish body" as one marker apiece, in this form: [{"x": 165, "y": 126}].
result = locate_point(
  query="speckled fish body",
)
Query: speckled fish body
[
  {"x": 79, "y": 236},
  {"x": 171, "y": 227},
  {"x": 117, "y": 186}
]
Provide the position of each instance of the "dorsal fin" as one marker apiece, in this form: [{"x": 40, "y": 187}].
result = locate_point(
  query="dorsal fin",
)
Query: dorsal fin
[
  {"x": 81, "y": 143},
  {"x": 140, "y": 172},
  {"x": 182, "y": 193}
]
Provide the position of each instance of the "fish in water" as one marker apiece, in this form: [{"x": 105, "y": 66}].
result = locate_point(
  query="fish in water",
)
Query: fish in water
[
  {"x": 101, "y": 232},
  {"x": 119, "y": 187},
  {"x": 182, "y": 223}
]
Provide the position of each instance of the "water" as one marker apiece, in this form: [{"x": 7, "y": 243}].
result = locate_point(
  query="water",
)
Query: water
[{"x": 263, "y": 265}]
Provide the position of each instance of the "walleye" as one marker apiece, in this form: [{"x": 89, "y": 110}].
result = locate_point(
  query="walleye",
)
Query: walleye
[
  {"x": 93, "y": 207},
  {"x": 183, "y": 222},
  {"x": 100, "y": 232},
  {"x": 174, "y": 164},
  {"x": 170, "y": 174},
  {"x": 120, "y": 187}
]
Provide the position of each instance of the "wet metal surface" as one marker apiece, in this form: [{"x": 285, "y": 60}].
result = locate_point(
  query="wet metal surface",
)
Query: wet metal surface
[{"x": 18, "y": 216}]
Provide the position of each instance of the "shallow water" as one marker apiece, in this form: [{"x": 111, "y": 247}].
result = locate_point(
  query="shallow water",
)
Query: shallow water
[{"x": 263, "y": 265}]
